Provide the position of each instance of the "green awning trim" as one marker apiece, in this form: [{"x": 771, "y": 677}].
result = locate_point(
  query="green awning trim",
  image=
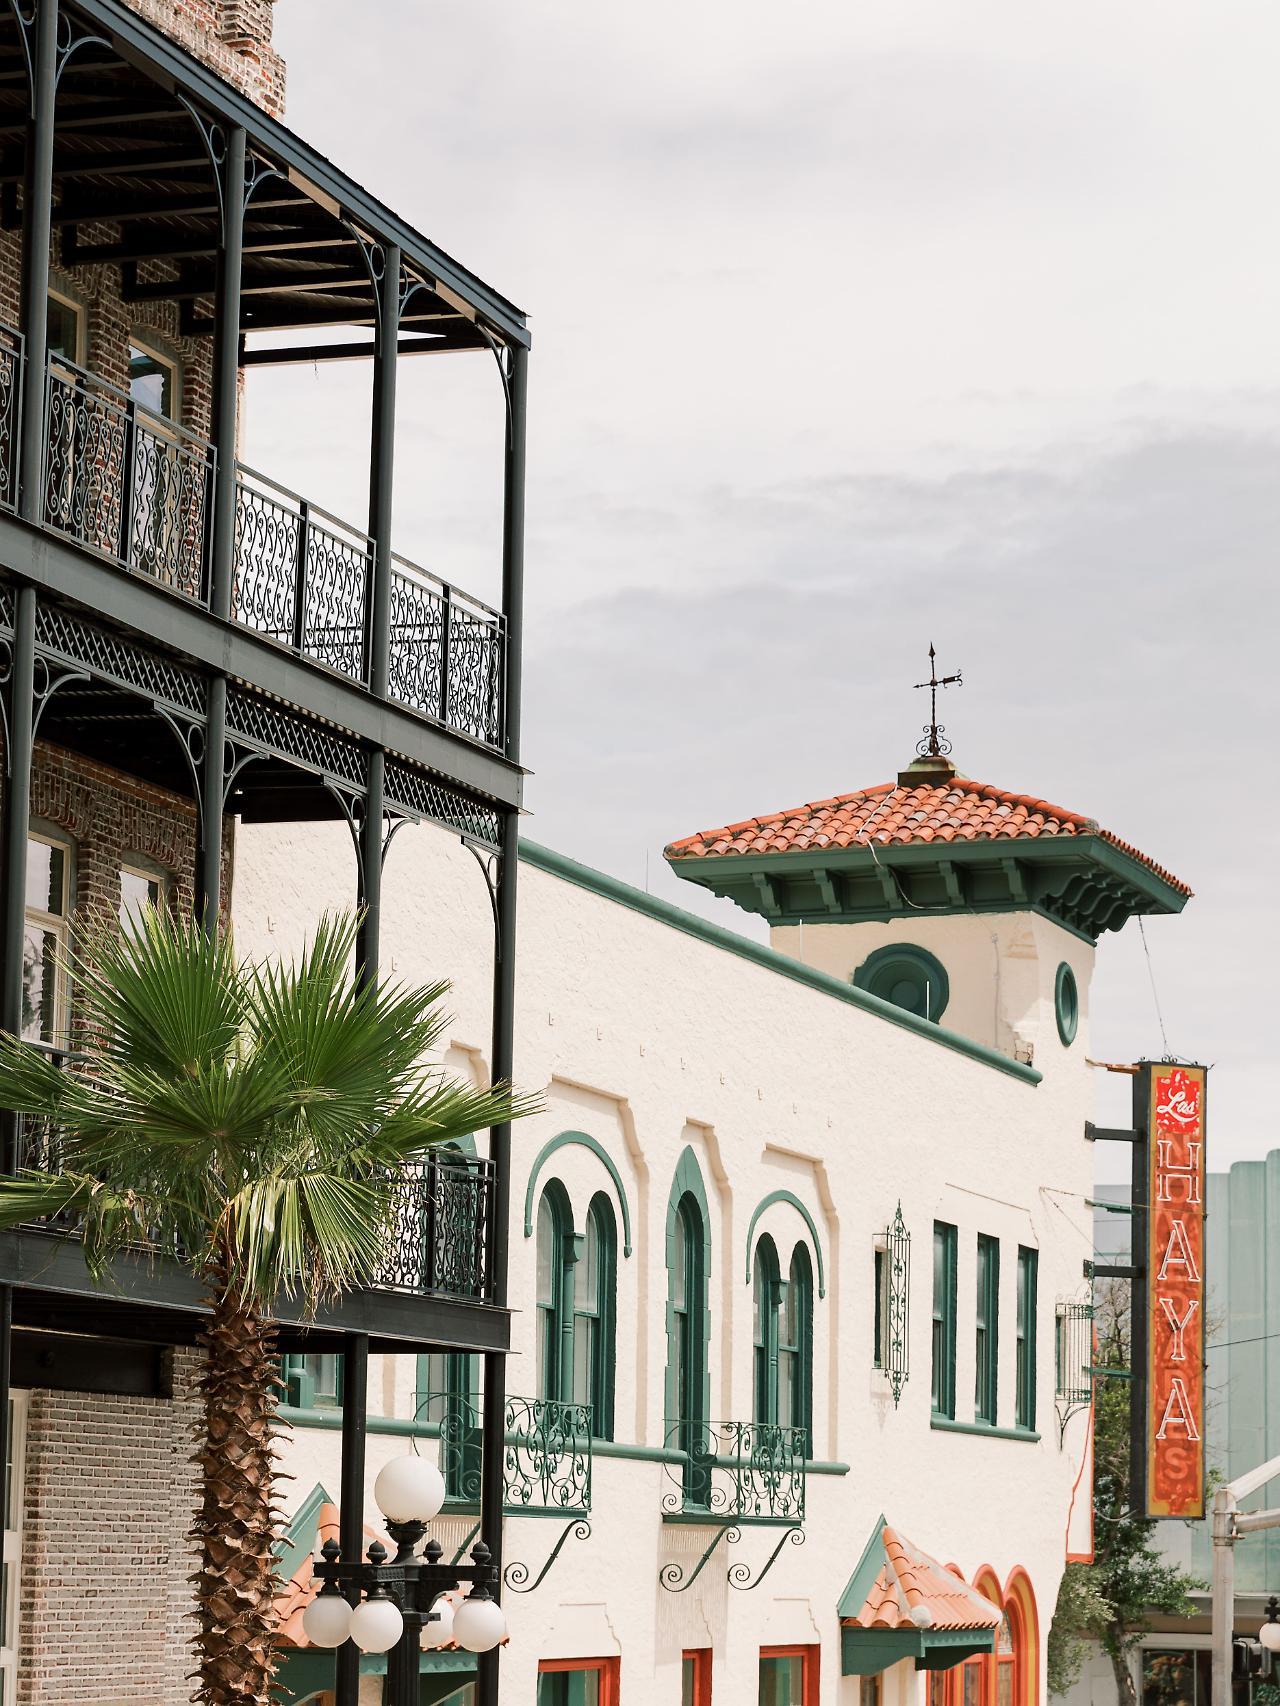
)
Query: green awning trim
[
  {"x": 299, "y": 1538},
  {"x": 307, "y": 1670}
]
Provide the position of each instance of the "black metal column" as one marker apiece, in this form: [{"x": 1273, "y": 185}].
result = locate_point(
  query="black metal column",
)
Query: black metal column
[
  {"x": 382, "y": 441},
  {"x": 355, "y": 1404},
  {"x": 6, "y": 1350},
  {"x": 37, "y": 229},
  {"x": 213, "y": 788},
  {"x": 504, "y": 998},
  {"x": 20, "y": 714}
]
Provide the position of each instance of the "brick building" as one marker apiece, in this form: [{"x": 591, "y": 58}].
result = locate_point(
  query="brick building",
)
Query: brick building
[{"x": 182, "y": 644}]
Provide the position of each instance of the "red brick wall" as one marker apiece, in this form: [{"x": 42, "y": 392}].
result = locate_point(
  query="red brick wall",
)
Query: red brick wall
[
  {"x": 233, "y": 37},
  {"x": 110, "y": 1491}
]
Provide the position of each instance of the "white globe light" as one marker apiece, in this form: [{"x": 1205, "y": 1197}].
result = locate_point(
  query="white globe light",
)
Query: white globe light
[
  {"x": 409, "y": 1489},
  {"x": 327, "y": 1620},
  {"x": 439, "y": 1632},
  {"x": 478, "y": 1625},
  {"x": 376, "y": 1625},
  {"x": 1269, "y": 1635}
]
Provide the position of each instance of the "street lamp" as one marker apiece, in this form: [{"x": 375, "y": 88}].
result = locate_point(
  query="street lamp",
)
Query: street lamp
[
  {"x": 396, "y": 1605},
  {"x": 1269, "y": 1634}
]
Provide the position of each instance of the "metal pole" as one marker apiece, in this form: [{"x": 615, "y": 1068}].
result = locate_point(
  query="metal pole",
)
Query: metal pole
[
  {"x": 355, "y": 1403},
  {"x": 17, "y": 810},
  {"x": 1224, "y": 1590},
  {"x": 504, "y": 997},
  {"x": 213, "y": 784},
  {"x": 6, "y": 1353},
  {"x": 368, "y": 937},
  {"x": 37, "y": 225},
  {"x": 382, "y": 442},
  {"x": 226, "y": 376}
]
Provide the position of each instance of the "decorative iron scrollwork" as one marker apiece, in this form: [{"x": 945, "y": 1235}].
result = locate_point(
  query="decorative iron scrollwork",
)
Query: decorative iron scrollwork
[
  {"x": 439, "y": 1234},
  {"x": 896, "y": 1325},
  {"x": 1073, "y": 1358},
  {"x": 742, "y": 1471},
  {"x": 516, "y": 1573},
  {"x": 740, "y": 1575}
]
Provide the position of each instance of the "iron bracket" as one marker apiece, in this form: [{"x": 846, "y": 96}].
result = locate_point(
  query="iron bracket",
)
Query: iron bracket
[
  {"x": 516, "y": 1574},
  {"x": 740, "y": 1576},
  {"x": 672, "y": 1576}
]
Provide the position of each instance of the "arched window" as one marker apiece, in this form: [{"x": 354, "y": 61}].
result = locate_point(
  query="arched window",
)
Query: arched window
[
  {"x": 687, "y": 1344},
  {"x": 766, "y": 1290},
  {"x": 555, "y": 1344},
  {"x": 594, "y": 1291},
  {"x": 795, "y": 1349}
]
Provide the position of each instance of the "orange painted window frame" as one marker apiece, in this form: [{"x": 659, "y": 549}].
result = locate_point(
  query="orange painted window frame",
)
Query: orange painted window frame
[
  {"x": 610, "y": 1671},
  {"x": 701, "y": 1657},
  {"x": 810, "y": 1657}
]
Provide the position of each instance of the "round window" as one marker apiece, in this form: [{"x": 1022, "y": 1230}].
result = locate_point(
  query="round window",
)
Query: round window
[
  {"x": 1066, "y": 1001},
  {"x": 908, "y": 977}
]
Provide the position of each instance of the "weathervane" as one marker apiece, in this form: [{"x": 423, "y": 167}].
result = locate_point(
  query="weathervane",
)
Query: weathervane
[{"x": 935, "y": 745}]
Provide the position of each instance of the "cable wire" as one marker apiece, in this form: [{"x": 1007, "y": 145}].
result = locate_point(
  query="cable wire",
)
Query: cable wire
[{"x": 1155, "y": 993}]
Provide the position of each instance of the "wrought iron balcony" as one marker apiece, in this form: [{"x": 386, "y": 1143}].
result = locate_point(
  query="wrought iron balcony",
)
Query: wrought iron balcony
[
  {"x": 737, "y": 1472},
  {"x": 137, "y": 488},
  {"x": 546, "y": 1458},
  {"x": 438, "y": 1245}
]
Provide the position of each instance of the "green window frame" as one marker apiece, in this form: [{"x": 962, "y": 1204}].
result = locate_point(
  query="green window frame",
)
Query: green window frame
[
  {"x": 688, "y": 1345},
  {"x": 554, "y": 1353},
  {"x": 447, "y": 1396},
  {"x": 312, "y": 1381},
  {"x": 987, "y": 1331},
  {"x": 766, "y": 1296},
  {"x": 1024, "y": 1403},
  {"x": 795, "y": 1349},
  {"x": 594, "y": 1282},
  {"x": 945, "y": 1246}
]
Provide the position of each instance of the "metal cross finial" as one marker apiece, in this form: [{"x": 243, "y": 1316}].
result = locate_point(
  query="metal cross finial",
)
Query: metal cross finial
[{"x": 935, "y": 745}]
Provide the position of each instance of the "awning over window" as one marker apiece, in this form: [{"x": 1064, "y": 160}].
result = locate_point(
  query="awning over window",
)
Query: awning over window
[{"x": 901, "y": 1603}]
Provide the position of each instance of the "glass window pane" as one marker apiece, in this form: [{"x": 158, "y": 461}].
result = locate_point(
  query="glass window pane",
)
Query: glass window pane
[
  {"x": 786, "y": 1389},
  {"x": 584, "y": 1330},
  {"x": 546, "y": 1252},
  {"x": 137, "y": 890},
  {"x": 680, "y": 1262},
  {"x": 46, "y": 878},
  {"x": 790, "y": 1321},
  {"x": 63, "y": 329},
  {"x": 1004, "y": 1685},
  {"x": 688, "y": 1683},
  {"x": 1168, "y": 1678},
  {"x": 782, "y": 1680},
  {"x": 589, "y": 1264},
  {"x": 39, "y": 985},
  {"x": 151, "y": 381},
  {"x": 973, "y": 1684}
]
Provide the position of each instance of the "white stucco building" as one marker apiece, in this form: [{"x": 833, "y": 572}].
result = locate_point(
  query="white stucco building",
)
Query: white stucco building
[{"x": 722, "y": 1329}]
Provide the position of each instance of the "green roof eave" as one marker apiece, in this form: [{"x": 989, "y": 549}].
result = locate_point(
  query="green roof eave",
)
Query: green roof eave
[
  {"x": 1084, "y": 883},
  {"x": 866, "y": 1570},
  {"x": 864, "y": 1652},
  {"x": 663, "y": 912}
]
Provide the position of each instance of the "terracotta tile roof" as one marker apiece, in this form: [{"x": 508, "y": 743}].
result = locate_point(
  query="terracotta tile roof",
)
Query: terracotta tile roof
[
  {"x": 950, "y": 812},
  {"x": 913, "y": 1582}
]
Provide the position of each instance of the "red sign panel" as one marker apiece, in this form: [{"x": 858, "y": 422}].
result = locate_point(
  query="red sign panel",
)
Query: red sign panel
[{"x": 1175, "y": 1410}]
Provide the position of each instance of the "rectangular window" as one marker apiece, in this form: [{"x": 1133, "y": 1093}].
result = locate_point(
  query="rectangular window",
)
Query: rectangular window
[
  {"x": 10, "y": 1577},
  {"x": 578, "y": 1682},
  {"x": 64, "y": 329},
  {"x": 789, "y": 1676},
  {"x": 944, "y": 1319},
  {"x": 1025, "y": 1373},
  {"x": 153, "y": 381},
  {"x": 986, "y": 1329},
  {"x": 880, "y": 1319},
  {"x": 869, "y": 1691},
  {"x": 314, "y": 1382},
  {"x": 139, "y": 889},
  {"x": 1176, "y": 1676},
  {"x": 695, "y": 1676},
  {"x": 44, "y": 980}
]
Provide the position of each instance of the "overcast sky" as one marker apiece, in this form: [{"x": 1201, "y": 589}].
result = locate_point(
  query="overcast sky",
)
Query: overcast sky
[{"x": 857, "y": 327}]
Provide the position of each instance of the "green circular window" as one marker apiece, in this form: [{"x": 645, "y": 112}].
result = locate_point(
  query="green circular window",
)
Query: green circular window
[
  {"x": 908, "y": 977},
  {"x": 1066, "y": 1003}
]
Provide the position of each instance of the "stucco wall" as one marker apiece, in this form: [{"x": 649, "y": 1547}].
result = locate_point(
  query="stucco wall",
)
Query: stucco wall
[{"x": 651, "y": 1039}]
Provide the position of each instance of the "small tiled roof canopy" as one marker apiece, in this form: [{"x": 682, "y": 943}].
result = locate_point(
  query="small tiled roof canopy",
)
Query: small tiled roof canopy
[
  {"x": 892, "y": 814},
  {"x": 914, "y": 1591}
]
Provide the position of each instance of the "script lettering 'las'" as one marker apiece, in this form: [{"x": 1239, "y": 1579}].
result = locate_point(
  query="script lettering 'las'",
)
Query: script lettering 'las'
[
  {"x": 1177, "y": 1254},
  {"x": 1177, "y": 1411}
]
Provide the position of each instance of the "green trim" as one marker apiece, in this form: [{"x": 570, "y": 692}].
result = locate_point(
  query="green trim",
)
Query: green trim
[
  {"x": 622, "y": 894},
  {"x": 1026, "y": 1337},
  {"x": 1066, "y": 1004},
  {"x": 899, "y": 962},
  {"x": 331, "y": 1421},
  {"x": 864, "y": 1575},
  {"x": 943, "y": 1378},
  {"x": 814, "y": 1467},
  {"x": 947, "y": 1425},
  {"x": 302, "y": 1673},
  {"x": 686, "y": 1182},
  {"x": 767, "y": 1203},
  {"x": 299, "y": 1538},
  {"x": 635, "y": 1453},
  {"x": 986, "y": 1401},
  {"x": 583, "y": 1140}
]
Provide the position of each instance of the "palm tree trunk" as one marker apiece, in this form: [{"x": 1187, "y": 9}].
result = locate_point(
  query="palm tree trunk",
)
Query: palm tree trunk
[{"x": 236, "y": 1523}]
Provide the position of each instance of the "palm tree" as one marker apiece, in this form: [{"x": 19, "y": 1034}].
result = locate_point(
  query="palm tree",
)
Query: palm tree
[{"x": 253, "y": 1120}]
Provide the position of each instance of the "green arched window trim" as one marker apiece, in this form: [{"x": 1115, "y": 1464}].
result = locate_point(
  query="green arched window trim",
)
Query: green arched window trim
[
  {"x": 794, "y": 1201},
  {"x": 903, "y": 962},
  {"x": 688, "y": 1191},
  {"x": 1066, "y": 1004},
  {"x": 583, "y": 1140}
]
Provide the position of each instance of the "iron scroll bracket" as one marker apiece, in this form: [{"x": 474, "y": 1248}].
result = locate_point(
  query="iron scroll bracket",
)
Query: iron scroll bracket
[
  {"x": 516, "y": 1574},
  {"x": 740, "y": 1575},
  {"x": 672, "y": 1576}
]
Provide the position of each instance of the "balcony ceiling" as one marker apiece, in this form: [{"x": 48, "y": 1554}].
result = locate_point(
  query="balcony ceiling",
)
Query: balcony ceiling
[{"x": 135, "y": 186}]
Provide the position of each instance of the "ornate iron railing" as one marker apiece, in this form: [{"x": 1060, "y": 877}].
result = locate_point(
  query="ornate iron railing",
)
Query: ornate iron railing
[
  {"x": 447, "y": 653},
  {"x": 893, "y": 1255},
  {"x": 12, "y": 358},
  {"x": 125, "y": 481},
  {"x": 1073, "y": 1351},
  {"x": 440, "y": 1238},
  {"x": 741, "y": 1471},
  {"x": 302, "y": 575},
  {"x": 546, "y": 1456}
]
